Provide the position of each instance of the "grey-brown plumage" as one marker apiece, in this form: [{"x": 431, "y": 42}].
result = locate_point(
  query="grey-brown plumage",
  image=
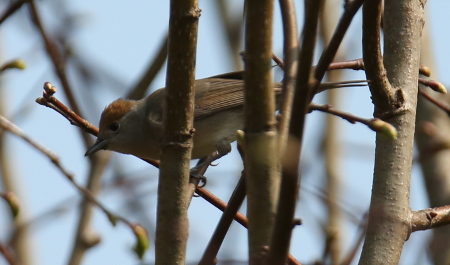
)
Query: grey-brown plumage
[{"x": 135, "y": 127}]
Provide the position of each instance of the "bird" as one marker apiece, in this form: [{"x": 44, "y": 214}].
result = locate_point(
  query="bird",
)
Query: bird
[{"x": 135, "y": 126}]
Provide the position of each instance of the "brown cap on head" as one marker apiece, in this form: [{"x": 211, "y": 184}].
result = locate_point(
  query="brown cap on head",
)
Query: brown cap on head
[
  {"x": 114, "y": 112},
  {"x": 110, "y": 115}
]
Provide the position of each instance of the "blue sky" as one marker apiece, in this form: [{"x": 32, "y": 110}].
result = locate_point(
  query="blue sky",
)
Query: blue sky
[{"x": 119, "y": 38}]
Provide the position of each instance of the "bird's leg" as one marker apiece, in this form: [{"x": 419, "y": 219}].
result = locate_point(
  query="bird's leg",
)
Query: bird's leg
[
  {"x": 195, "y": 172},
  {"x": 223, "y": 148}
]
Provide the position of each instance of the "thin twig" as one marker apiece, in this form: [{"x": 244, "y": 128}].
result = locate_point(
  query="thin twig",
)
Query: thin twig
[
  {"x": 434, "y": 85},
  {"x": 12, "y": 128},
  {"x": 332, "y": 145},
  {"x": 97, "y": 163},
  {"x": 290, "y": 49},
  {"x": 139, "y": 89},
  {"x": 87, "y": 194},
  {"x": 8, "y": 254},
  {"x": 442, "y": 106},
  {"x": 233, "y": 29},
  {"x": 344, "y": 115},
  {"x": 374, "y": 124},
  {"x": 58, "y": 63},
  {"x": 329, "y": 53},
  {"x": 278, "y": 61},
  {"x": 58, "y": 106},
  {"x": 279, "y": 245},
  {"x": 347, "y": 260},
  {"x": 430, "y": 218},
  {"x": 358, "y": 64},
  {"x": 224, "y": 223},
  {"x": 12, "y": 8}
]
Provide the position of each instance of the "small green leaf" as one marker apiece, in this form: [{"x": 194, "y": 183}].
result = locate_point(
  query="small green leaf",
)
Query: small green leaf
[
  {"x": 17, "y": 64},
  {"x": 142, "y": 241},
  {"x": 441, "y": 88},
  {"x": 383, "y": 127}
]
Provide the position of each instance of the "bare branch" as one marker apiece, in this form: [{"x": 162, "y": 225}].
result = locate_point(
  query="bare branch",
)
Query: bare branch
[
  {"x": 12, "y": 8},
  {"x": 430, "y": 218},
  {"x": 173, "y": 187}
]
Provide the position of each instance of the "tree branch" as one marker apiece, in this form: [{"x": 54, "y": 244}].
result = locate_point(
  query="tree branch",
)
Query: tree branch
[
  {"x": 261, "y": 142},
  {"x": 394, "y": 93},
  {"x": 173, "y": 188},
  {"x": 290, "y": 181}
]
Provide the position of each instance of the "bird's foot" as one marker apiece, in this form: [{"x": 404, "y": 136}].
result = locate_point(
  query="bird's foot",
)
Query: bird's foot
[{"x": 202, "y": 179}]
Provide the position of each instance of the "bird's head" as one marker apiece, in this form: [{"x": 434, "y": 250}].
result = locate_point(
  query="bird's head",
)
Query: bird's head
[{"x": 114, "y": 130}]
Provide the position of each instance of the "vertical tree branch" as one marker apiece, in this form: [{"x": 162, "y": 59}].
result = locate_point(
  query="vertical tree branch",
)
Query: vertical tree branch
[
  {"x": 59, "y": 65},
  {"x": 12, "y": 8},
  {"x": 138, "y": 90},
  {"x": 261, "y": 156},
  {"x": 394, "y": 93},
  {"x": 83, "y": 236},
  {"x": 172, "y": 222},
  {"x": 11, "y": 181},
  {"x": 224, "y": 223},
  {"x": 435, "y": 168},
  {"x": 290, "y": 49},
  {"x": 327, "y": 56},
  {"x": 290, "y": 180},
  {"x": 233, "y": 29},
  {"x": 332, "y": 147},
  {"x": 95, "y": 173}
]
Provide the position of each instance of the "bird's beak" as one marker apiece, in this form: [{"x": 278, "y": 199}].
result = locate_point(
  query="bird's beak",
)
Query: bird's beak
[{"x": 99, "y": 145}]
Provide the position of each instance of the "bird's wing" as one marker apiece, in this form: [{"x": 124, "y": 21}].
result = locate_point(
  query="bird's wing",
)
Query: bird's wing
[
  {"x": 212, "y": 95},
  {"x": 237, "y": 75},
  {"x": 216, "y": 94}
]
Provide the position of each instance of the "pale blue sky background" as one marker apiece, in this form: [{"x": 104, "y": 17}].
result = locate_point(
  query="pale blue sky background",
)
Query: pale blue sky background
[{"x": 119, "y": 37}]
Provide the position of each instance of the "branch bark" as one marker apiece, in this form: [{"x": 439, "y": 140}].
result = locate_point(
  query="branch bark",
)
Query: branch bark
[
  {"x": 435, "y": 167},
  {"x": 329, "y": 18},
  {"x": 261, "y": 152},
  {"x": 290, "y": 180},
  {"x": 173, "y": 189},
  {"x": 11, "y": 180},
  {"x": 394, "y": 93},
  {"x": 291, "y": 49}
]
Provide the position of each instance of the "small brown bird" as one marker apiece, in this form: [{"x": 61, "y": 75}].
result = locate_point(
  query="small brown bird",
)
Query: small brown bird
[{"x": 135, "y": 127}]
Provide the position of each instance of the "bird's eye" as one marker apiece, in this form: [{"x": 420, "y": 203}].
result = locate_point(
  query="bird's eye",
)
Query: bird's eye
[{"x": 114, "y": 126}]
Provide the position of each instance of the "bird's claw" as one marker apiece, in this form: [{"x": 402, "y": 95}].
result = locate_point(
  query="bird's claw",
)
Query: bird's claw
[{"x": 202, "y": 179}]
